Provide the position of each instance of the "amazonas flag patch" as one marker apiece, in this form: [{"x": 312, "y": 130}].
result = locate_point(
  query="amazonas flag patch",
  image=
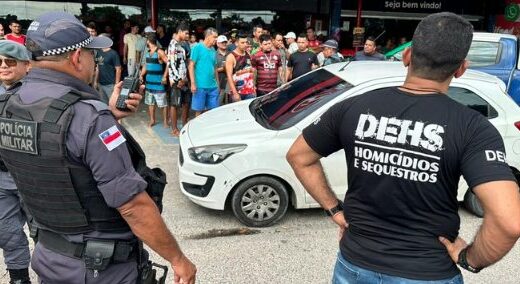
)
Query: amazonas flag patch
[{"x": 112, "y": 138}]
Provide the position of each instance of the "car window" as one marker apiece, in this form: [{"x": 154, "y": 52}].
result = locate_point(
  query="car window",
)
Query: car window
[
  {"x": 483, "y": 53},
  {"x": 472, "y": 100},
  {"x": 294, "y": 101}
]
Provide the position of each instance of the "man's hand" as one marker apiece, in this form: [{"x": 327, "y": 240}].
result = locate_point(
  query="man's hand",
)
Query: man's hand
[
  {"x": 180, "y": 84},
  {"x": 193, "y": 88},
  {"x": 454, "y": 248},
  {"x": 236, "y": 97},
  {"x": 132, "y": 103},
  {"x": 184, "y": 270},
  {"x": 340, "y": 220}
]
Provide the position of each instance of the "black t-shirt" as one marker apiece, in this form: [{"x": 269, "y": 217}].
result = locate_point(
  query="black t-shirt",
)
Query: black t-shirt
[
  {"x": 405, "y": 154},
  {"x": 107, "y": 63},
  {"x": 301, "y": 62}
]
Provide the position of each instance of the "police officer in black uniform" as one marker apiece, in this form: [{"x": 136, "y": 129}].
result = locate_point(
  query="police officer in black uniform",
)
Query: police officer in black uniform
[
  {"x": 77, "y": 169},
  {"x": 14, "y": 64}
]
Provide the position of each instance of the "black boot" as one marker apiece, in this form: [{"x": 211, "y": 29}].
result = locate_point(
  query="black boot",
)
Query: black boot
[{"x": 19, "y": 276}]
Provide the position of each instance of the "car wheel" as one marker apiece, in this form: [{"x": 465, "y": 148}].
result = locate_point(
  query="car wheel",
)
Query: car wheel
[
  {"x": 260, "y": 201},
  {"x": 472, "y": 203}
]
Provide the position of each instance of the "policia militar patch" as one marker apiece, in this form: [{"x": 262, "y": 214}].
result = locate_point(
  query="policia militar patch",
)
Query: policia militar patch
[{"x": 19, "y": 135}]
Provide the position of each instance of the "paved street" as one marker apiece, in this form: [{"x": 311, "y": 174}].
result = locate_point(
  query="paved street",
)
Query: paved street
[{"x": 299, "y": 249}]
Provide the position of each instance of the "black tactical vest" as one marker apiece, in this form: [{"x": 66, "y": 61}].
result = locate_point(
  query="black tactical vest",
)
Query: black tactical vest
[{"x": 61, "y": 196}]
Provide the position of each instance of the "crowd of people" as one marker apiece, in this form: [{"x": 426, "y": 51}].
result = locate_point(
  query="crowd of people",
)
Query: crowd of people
[{"x": 183, "y": 73}]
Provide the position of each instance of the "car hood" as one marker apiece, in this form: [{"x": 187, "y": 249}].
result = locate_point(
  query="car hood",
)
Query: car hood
[{"x": 232, "y": 123}]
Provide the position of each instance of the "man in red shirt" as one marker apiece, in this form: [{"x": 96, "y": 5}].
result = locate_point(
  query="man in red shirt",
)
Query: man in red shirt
[
  {"x": 16, "y": 32},
  {"x": 314, "y": 43},
  {"x": 268, "y": 65}
]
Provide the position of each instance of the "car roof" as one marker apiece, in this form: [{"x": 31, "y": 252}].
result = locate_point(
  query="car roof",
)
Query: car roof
[
  {"x": 493, "y": 37},
  {"x": 359, "y": 72}
]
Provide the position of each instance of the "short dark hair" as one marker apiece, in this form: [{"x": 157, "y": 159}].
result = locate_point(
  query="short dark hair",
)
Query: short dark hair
[
  {"x": 371, "y": 38},
  {"x": 277, "y": 34},
  {"x": 181, "y": 27},
  {"x": 310, "y": 28},
  {"x": 263, "y": 38},
  {"x": 152, "y": 38},
  {"x": 256, "y": 27},
  {"x": 302, "y": 35},
  {"x": 242, "y": 34},
  {"x": 441, "y": 42},
  {"x": 14, "y": 21},
  {"x": 92, "y": 25}
]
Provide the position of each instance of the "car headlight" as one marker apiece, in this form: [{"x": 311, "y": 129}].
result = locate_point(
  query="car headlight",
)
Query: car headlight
[{"x": 214, "y": 154}]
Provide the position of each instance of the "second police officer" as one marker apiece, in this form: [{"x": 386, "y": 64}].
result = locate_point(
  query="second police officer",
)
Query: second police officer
[{"x": 75, "y": 166}]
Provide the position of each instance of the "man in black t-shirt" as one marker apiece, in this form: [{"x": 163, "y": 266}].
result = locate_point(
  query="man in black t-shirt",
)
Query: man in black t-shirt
[
  {"x": 302, "y": 61},
  {"x": 406, "y": 149},
  {"x": 109, "y": 71}
]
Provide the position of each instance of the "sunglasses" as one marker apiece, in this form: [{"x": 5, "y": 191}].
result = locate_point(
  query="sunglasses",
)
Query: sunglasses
[{"x": 10, "y": 62}]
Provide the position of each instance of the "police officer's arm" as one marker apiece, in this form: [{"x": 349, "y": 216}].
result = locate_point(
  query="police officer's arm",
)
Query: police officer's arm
[
  {"x": 485, "y": 169},
  {"x": 146, "y": 223},
  {"x": 306, "y": 165},
  {"x": 318, "y": 140},
  {"x": 121, "y": 186}
]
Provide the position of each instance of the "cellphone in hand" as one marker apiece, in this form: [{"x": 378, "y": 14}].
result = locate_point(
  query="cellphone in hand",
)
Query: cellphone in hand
[{"x": 130, "y": 84}]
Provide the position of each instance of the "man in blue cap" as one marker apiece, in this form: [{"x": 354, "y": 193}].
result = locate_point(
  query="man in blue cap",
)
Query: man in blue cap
[
  {"x": 77, "y": 169},
  {"x": 14, "y": 65}
]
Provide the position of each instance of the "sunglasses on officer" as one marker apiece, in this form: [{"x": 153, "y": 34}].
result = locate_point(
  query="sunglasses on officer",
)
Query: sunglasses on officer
[{"x": 10, "y": 62}]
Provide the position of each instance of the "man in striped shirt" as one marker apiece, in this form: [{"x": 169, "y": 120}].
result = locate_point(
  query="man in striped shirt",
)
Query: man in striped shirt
[{"x": 268, "y": 65}]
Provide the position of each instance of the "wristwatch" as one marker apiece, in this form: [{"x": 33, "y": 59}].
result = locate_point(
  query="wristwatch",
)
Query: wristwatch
[
  {"x": 335, "y": 210},
  {"x": 463, "y": 262}
]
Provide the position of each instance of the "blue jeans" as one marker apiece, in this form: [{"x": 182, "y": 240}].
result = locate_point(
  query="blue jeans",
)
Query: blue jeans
[{"x": 348, "y": 273}]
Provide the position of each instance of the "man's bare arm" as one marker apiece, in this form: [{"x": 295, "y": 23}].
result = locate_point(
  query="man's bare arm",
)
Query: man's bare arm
[
  {"x": 230, "y": 65},
  {"x": 191, "y": 70},
  {"x": 307, "y": 167},
  {"x": 500, "y": 228},
  {"x": 146, "y": 223},
  {"x": 118, "y": 74}
]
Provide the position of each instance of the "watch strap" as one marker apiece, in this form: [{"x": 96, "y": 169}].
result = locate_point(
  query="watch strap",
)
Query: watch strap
[
  {"x": 335, "y": 210},
  {"x": 463, "y": 261}
]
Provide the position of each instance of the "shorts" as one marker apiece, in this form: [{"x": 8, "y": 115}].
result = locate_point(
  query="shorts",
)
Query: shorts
[
  {"x": 179, "y": 97},
  {"x": 205, "y": 98},
  {"x": 155, "y": 98}
]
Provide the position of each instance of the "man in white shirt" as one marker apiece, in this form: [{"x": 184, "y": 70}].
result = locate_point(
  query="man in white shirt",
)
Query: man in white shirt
[
  {"x": 130, "y": 54},
  {"x": 292, "y": 46}
]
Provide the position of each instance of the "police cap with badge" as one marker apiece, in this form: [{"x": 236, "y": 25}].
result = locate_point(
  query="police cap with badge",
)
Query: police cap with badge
[{"x": 56, "y": 33}]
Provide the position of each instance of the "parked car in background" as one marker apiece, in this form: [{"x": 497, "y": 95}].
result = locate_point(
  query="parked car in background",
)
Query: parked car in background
[
  {"x": 234, "y": 156},
  {"x": 493, "y": 53}
]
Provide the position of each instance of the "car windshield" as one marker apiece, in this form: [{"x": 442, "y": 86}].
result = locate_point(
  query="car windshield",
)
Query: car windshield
[{"x": 294, "y": 101}]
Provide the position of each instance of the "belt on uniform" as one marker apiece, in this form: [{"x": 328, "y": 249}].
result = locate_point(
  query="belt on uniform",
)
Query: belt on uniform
[{"x": 118, "y": 252}]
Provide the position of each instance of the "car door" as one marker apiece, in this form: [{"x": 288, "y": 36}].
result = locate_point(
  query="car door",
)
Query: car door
[{"x": 475, "y": 99}]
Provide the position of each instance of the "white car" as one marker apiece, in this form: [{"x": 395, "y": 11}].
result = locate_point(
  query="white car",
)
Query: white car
[{"x": 235, "y": 155}]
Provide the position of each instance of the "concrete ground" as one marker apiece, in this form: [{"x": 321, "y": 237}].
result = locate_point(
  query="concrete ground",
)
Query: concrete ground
[{"x": 301, "y": 248}]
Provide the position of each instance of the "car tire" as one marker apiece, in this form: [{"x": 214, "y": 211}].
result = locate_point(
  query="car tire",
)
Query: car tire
[
  {"x": 472, "y": 203},
  {"x": 260, "y": 201}
]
